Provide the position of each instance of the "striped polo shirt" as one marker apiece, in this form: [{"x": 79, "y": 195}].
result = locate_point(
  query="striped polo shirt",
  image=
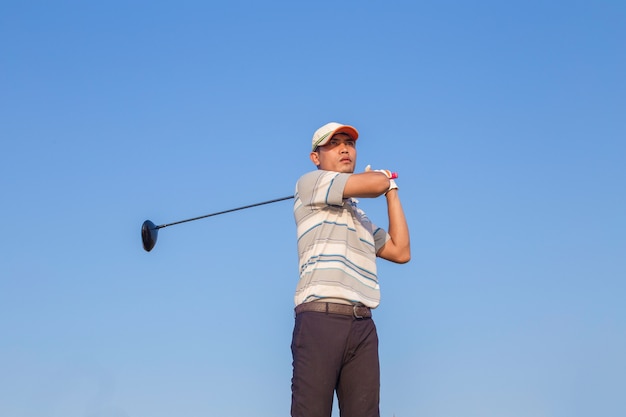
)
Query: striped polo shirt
[{"x": 337, "y": 243}]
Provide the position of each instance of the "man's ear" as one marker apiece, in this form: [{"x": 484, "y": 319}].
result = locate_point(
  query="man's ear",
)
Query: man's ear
[{"x": 315, "y": 158}]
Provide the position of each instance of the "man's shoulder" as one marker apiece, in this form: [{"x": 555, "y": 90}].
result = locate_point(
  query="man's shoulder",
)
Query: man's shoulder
[
  {"x": 311, "y": 174},
  {"x": 322, "y": 187}
]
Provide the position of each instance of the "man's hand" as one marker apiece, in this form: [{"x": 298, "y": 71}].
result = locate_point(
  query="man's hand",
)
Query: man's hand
[{"x": 389, "y": 174}]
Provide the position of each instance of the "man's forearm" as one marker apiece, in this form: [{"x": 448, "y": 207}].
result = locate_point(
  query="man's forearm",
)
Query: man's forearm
[{"x": 398, "y": 229}]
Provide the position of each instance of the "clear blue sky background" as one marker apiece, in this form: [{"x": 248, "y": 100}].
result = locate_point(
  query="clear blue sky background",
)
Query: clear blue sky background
[{"x": 505, "y": 120}]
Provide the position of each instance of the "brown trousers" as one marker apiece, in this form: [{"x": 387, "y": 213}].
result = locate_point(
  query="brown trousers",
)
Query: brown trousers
[{"x": 333, "y": 352}]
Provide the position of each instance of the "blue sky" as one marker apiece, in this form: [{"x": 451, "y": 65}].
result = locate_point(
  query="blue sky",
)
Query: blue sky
[{"x": 505, "y": 120}]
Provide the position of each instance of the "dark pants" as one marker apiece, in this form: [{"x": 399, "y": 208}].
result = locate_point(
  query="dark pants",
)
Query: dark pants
[{"x": 334, "y": 352}]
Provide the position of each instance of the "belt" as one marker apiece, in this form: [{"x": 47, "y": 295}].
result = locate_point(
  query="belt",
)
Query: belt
[{"x": 359, "y": 312}]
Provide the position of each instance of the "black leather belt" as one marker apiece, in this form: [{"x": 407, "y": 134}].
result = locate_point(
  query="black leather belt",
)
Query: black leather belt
[{"x": 359, "y": 312}]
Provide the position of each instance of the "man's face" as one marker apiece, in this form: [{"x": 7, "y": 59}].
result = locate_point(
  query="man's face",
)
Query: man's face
[{"x": 338, "y": 155}]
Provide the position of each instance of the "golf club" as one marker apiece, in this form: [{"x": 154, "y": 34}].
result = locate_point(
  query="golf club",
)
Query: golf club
[{"x": 149, "y": 231}]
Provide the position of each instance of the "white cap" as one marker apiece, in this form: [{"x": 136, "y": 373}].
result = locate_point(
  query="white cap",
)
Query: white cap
[{"x": 324, "y": 133}]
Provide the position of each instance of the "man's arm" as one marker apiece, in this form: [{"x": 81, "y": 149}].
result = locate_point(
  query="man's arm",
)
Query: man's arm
[
  {"x": 373, "y": 184},
  {"x": 398, "y": 248}
]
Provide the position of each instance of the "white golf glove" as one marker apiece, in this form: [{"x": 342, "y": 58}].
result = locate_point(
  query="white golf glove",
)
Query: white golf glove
[{"x": 389, "y": 174}]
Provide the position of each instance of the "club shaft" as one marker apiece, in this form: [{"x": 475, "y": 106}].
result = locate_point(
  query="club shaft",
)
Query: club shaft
[{"x": 225, "y": 211}]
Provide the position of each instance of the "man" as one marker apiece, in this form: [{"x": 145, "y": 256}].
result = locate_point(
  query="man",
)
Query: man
[{"x": 335, "y": 344}]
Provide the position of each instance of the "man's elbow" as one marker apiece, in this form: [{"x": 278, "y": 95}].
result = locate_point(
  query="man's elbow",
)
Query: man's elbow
[
  {"x": 400, "y": 257},
  {"x": 404, "y": 258}
]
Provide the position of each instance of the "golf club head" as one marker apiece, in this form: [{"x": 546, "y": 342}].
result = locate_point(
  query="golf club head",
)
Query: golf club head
[{"x": 149, "y": 233}]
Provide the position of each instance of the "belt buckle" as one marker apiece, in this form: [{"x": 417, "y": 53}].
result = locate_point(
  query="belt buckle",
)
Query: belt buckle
[{"x": 355, "y": 313}]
